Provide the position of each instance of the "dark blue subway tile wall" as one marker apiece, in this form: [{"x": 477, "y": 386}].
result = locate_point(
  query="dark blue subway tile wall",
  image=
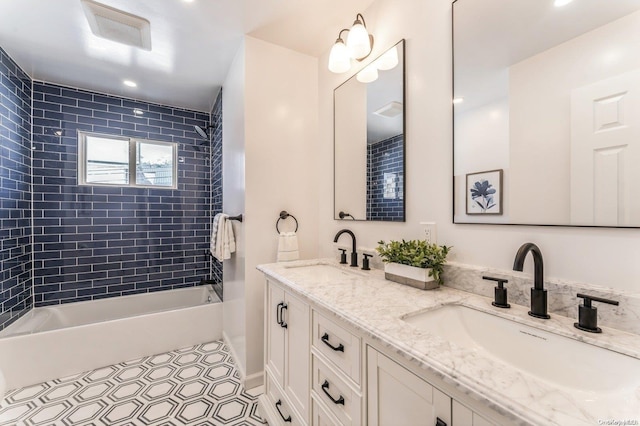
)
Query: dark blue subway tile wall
[
  {"x": 93, "y": 242},
  {"x": 15, "y": 191},
  {"x": 216, "y": 182},
  {"x": 386, "y": 156}
]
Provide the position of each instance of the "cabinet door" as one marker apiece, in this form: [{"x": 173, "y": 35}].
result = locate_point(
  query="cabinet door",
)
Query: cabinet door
[
  {"x": 275, "y": 333},
  {"x": 297, "y": 354},
  {"x": 397, "y": 397},
  {"x": 464, "y": 416}
]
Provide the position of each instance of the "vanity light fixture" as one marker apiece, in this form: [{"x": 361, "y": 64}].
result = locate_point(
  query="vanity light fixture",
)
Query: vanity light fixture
[
  {"x": 368, "y": 75},
  {"x": 560, "y": 3},
  {"x": 358, "y": 46},
  {"x": 388, "y": 60}
]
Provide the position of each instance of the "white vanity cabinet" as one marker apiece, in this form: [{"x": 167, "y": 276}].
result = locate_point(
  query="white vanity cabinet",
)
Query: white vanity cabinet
[
  {"x": 287, "y": 356},
  {"x": 320, "y": 370}
]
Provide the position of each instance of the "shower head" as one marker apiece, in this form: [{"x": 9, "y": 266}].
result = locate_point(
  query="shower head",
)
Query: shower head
[{"x": 202, "y": 132}]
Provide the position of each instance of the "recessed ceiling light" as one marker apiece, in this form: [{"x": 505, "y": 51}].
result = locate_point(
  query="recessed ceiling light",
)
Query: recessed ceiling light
[
  {"x": 458, "y": 100},
  {"x": 138, "y": 111},
  {"x": 130, "y": 83},
  {"x": 560, "y": 3}
]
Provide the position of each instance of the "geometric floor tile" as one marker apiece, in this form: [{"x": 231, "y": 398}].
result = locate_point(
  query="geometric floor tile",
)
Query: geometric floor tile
[{"x": 196, "y": 386}]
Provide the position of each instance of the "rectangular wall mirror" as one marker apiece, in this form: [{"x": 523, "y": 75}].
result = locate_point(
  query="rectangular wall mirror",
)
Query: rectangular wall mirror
[
  {"x": 369, "y": 142},
  {"x": 547, "y": 112}
]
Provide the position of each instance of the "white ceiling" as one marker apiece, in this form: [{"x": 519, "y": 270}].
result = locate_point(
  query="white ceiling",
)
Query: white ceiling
[{"x": 193, "y": 43}]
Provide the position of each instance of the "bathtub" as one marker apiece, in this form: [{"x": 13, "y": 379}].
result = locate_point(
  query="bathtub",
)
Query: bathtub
[{"x": 57, "y": 341}]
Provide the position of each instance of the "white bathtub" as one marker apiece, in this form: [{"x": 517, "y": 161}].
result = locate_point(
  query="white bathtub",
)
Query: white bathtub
[{"x": 57, "y": 341}]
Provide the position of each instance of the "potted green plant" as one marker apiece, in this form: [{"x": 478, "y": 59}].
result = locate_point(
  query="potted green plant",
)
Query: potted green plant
[{"x": 416, "y": 262}]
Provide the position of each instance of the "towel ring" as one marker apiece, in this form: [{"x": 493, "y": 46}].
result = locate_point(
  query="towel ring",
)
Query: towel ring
[{"x": 284, "y": 215}]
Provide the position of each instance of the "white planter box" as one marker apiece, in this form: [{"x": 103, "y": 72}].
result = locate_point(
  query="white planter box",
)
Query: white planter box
[{"x": 410, "y": 275}]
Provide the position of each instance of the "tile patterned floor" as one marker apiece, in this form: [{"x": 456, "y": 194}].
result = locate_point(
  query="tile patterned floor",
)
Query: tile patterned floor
[{"x": 192, "y": 386}]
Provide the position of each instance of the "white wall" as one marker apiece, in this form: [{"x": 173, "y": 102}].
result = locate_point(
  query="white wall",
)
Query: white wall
[
  {"x": 606, "y": 257},
  {"x": 277, "y": 160},
  {"x": 233, "y": 203}
]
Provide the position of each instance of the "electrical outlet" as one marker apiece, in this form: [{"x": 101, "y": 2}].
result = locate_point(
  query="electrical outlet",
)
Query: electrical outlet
[{"x": 429, "y": 232}]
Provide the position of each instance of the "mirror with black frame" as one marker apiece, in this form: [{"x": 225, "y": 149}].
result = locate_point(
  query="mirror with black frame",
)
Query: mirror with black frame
[
  {"x": 547, "y": 112},
  {"x": 369, "y": 141}
]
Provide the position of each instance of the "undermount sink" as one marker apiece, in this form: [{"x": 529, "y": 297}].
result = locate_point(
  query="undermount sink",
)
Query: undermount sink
[
  {"x": 556, "y": 359},
  {"x": 324, "y": 272}
]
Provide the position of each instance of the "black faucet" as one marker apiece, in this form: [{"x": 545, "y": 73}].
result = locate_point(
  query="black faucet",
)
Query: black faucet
[
  {"x": 538, "y": 293},
  {"x": 354, "y": 255}
]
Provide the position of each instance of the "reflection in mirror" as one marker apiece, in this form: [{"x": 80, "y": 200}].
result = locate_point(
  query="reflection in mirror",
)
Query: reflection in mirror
[
  {"x": 369, "y": 141},
  {"x": 548, "y": 93}
]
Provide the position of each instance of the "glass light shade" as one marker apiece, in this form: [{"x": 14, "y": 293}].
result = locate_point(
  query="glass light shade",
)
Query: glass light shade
[
  {"x": 358, "y": 41},
  {"x": 388, "y": 60},
  {"x": 368, "y": 74},
  {"x": 339, "y": 59}
]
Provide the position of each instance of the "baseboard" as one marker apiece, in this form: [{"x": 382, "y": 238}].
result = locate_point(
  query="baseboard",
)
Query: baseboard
[
  {"x": 251, "y": 381},
  {"x": 234, "y": 355},
  {"x": 254, "y": 380}
]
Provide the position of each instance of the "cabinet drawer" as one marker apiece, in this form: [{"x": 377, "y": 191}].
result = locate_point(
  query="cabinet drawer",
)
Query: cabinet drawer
[
  {"x": 321, "y": 415},
  {"x": 280, "y": 409},
  {"x": 343, "y": 401},
  {"x": 338, "y": 345}
]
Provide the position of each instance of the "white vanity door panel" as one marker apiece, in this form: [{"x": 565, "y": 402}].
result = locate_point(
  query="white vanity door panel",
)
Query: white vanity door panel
[
  {"x": 275, "y": 333},
  {"x": 397, "y": 397},
  {"x": 297, "y": 354},
  {"x": 464, "y": 416}
]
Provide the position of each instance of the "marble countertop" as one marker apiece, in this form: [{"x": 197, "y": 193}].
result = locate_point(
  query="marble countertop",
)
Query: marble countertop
[{"x": 368, "y": 302}]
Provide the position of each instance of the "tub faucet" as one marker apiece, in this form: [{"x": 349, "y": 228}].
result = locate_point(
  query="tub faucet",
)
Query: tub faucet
[
  {"x": 354, "y": 255},
  {"x": 538, "y": 293}
]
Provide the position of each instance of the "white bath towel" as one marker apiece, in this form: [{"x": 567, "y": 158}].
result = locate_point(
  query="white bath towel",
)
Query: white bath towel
[
  {"x": 223, "y": 241},
  {"x": 288, "y": 247}
]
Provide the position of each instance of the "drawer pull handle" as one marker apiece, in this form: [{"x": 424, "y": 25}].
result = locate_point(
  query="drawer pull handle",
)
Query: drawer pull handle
[
  {"x": 440, "y": 422},
  {"x": 282, "y": 308},
  {"x": 325, "y": 386},
  {"x": 279, "y": 313},
  {"x": 286, "y": 419},
  {"x": 325, "y": 339}
]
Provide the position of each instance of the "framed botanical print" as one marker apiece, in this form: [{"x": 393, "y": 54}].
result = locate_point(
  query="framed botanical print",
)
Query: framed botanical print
[{"x": 484, "y": 192}]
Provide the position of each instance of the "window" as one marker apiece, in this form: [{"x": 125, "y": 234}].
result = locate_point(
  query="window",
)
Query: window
[{"x": 121, "y": 161}]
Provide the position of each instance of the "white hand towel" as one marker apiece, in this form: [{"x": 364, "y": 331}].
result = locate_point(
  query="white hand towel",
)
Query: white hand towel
[
  {"x": 288, "y": 247},
  {"x": 229, "y": 240},
  {"x": 214, "y": 233},
  {"x": 222, "y": 239}
]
